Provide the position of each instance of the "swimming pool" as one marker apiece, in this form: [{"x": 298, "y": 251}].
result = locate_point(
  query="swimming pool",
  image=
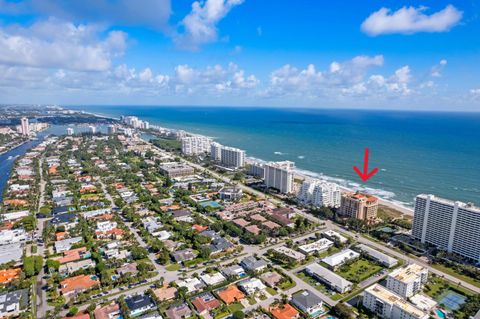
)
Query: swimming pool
[{"x": 440, "y": 314}]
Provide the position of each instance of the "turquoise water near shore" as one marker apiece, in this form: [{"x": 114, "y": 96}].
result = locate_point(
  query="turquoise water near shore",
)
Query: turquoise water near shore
[{"x": 416, "y": 152}]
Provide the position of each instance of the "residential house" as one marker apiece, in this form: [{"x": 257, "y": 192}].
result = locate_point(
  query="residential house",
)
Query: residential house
[
  {"x": 139, "y": 304},
  {"x": 71, "y": 267},
  {"x": 213, "y": 279},
  {"x": 179, "y": 311},
  {"x": 253, "y": 264},
  {"x": 204, "y": 303},
  {"x": 184, "y": 255},
  {"x": 7, "y": 275},
  {"x": 13, "y": 302},
  {"x": 78, "y": 284},
  {"x": 111, "y": 311},
  {"x": 165, "y": 293},
  {"x": 66, "y": 244},
  {"x": 284, "y": 312},
  {"x": 251, "y": 286},
  {"x": 308, "y": 302},
  {"x": 271, "y": 278},
  {"x": 230, "y": 294},
  {"x": 233, "y": 271},
  {"x": 192, "y": 284},
  {"x": 290, "y": 254}
]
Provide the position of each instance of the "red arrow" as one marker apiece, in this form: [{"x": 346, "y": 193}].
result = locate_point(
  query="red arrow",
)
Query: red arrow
[{"x": 365, "y": 176}]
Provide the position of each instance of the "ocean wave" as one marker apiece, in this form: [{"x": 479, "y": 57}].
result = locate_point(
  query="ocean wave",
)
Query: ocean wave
[{"x": 279, "y": 153}]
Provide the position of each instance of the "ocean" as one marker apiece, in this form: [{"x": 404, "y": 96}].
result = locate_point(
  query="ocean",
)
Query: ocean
[{"x": 416, "y": 152}]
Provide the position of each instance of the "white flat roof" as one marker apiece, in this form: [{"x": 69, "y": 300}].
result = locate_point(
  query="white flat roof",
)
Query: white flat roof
[{"x": 340, "y": 257}]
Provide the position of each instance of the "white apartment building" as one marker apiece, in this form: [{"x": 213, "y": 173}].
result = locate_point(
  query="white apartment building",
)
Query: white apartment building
[
  {"x": 319, "y": 193},
  {"x": 256, "y": 169},
  {"x": 386, "y": 304},
  {"x": 195, "y": 145},
  {"x": 227, "y": 156},
  {"x": 407, "y": 281},
  {"x": 280, "y": 175},
  {"x": 131, "y": 120},
  {"x": 24, "y": 127},
  {"x": 69, "y": 131},
  {"x": 216, "y": 151},
  {"x": 92, "y": 129},
  {"x": 232, "y": 157},
  {"x": 451, "y": 226}
]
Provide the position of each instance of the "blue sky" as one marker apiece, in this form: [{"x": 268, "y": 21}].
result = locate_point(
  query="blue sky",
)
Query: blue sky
[{"x": 345, "y": 54}]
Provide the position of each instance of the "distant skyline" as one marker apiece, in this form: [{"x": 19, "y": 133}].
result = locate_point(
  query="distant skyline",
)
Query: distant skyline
[{"x": 376, "y": 55}]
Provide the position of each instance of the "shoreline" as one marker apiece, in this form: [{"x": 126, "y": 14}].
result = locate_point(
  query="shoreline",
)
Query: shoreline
[{"x": 304, "y": 173}]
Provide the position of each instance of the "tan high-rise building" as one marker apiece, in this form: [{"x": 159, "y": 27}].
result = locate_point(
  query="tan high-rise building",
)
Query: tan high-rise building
[
  {"x": 25, "y": 129},
  {"x": 359, "y": 206}
]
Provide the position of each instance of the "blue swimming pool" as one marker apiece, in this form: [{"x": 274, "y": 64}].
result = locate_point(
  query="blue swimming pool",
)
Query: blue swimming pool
[{"x": 440, "y": 314}]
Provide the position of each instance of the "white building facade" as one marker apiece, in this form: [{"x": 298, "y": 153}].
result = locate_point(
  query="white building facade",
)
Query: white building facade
[
  {"x": 319, "y": 193},
  {"x": 386, "y": 304},
  {"x": 451, "y": 226},
  {"x": 280, "y": 175},
  {"x": 196, "y": 145}
]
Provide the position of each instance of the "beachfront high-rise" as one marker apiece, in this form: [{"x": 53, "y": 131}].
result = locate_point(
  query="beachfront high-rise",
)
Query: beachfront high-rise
[
  {"x": 70, "y": 131},
  {"x": 24, "y": 127},
  {"x": 196, "y": 145},
  {"x": 280, "y": 175},
  {"x": 448, "y": 225},
  {"x": 216, "y": 151},
  {"x": 359, "y": 206},
  {"x": 227, "y": 156},
  {"x": 319, "y": 193},
  {"x": 232, "y": 157}
]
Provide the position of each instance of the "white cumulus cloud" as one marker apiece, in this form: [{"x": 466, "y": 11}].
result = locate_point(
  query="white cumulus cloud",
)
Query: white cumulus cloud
[
  {"x": 201, "y": 23},
  {"x": 409, "y": 20},
  {"x": 53, "y": 43}
]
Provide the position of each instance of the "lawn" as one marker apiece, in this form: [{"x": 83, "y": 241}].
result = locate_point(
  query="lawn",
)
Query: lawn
[
  {"x": 235, "y": 307},
  {"x": 173, "y": 267},
  {"x": 251, "y": 300},
  {"x": 359, "y": 270},
  {"x": 271, "y": 291},
  {"x": 193, "y": 262},
  {"x": 452, "y": 272},
  {"x": 287, "y": 285}
]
